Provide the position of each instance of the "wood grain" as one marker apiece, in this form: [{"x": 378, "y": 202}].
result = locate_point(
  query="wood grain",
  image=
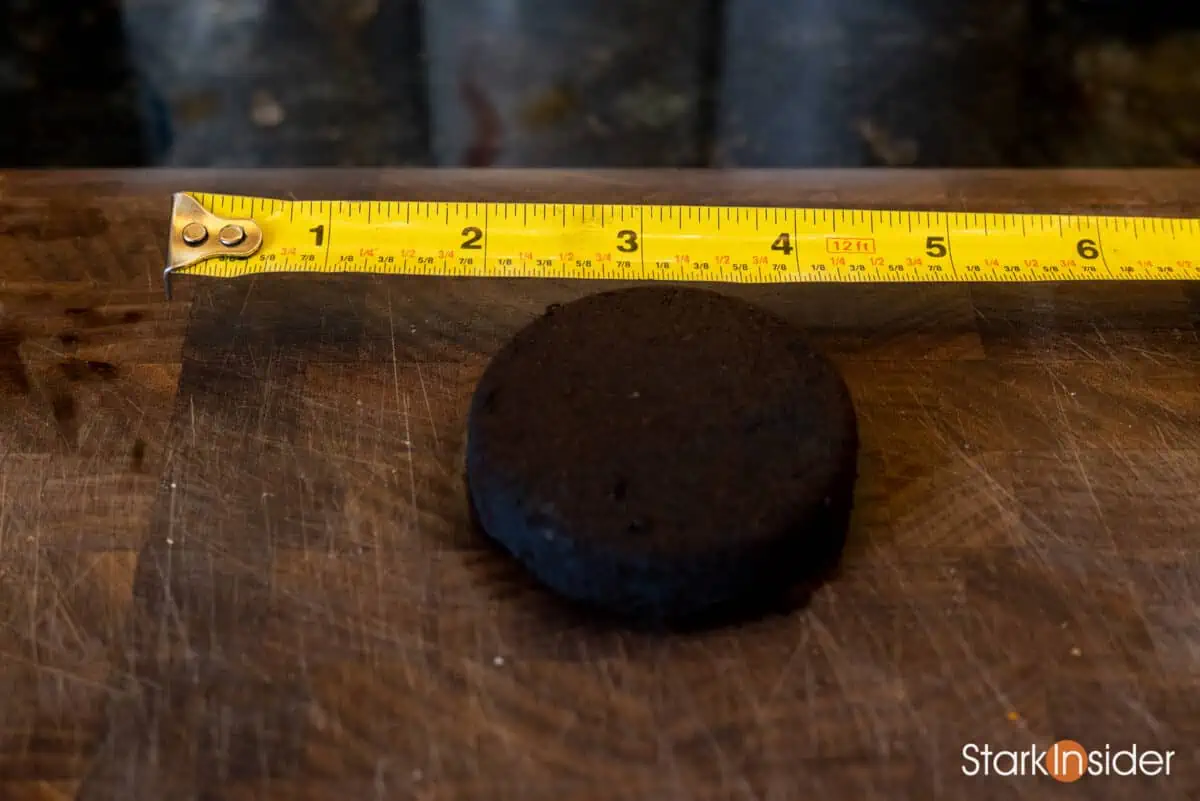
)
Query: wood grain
[{"x": 237, "y": 564}]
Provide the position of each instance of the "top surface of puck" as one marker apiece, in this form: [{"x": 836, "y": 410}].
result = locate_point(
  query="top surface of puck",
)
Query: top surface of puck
[{"x": 661, "y": 448}]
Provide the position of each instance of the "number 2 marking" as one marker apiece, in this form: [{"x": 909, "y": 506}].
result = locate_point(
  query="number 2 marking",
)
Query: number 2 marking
[{"x": 473, "y": 237}]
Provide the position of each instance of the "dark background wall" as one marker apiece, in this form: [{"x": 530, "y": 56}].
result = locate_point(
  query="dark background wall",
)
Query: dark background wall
[{"x": 599, "y": 82}]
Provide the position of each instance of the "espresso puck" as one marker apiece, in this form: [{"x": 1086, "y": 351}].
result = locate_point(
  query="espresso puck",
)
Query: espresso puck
[{"x": 664, "y": 453}]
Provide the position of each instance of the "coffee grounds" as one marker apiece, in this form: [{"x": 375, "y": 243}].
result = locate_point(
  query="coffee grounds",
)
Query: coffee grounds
[{"x": 663, "y": 453}]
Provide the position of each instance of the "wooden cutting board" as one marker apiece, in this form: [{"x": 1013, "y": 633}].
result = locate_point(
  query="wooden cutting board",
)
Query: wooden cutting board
[{"x": 236, "y": 560}]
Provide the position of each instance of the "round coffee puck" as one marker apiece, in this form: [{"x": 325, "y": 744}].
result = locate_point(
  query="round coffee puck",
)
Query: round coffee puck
[{"x": 663, "y": 452}]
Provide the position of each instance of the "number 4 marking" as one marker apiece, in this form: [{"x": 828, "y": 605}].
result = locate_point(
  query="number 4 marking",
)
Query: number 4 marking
[{"x": 783, "y": 243}]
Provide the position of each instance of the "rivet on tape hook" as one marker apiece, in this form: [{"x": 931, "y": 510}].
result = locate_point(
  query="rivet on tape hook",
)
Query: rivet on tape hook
[{"x": 198, "y": 235}]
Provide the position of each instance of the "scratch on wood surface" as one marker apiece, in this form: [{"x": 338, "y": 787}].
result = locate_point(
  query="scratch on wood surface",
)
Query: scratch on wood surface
[
  {"x": 428, "y": 408},
  {"x": 1071, "y": 446},
  {"x": 787, "y": 666},
  {"x": 872, "y": 729},
  {"x": 402, "y": 403}
]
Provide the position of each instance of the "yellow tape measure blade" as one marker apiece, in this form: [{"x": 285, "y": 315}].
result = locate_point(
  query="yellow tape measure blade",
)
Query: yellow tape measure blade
[{"x": 229, "y": 236}]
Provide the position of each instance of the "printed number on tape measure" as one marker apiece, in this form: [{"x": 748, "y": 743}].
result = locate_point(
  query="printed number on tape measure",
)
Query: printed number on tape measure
[{"x": 228, "y": 236}]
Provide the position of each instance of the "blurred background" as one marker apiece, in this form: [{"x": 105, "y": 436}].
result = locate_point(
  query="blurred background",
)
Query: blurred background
[{"x": 599, "y": 83}]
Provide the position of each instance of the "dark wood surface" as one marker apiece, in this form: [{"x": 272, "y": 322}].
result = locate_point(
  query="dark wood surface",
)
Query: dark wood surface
[{"x": 236, "y": 561}]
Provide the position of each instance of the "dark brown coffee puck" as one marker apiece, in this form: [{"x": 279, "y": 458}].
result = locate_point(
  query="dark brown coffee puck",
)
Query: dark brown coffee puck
[{"x": 663, "y": 452}]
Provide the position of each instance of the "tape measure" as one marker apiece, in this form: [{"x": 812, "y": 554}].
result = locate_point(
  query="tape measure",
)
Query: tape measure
[{"x": 227, "y": 236}]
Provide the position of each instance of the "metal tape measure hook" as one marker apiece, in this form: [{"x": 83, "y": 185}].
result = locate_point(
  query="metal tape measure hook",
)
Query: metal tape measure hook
[{"x": 198, "y": 235}]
